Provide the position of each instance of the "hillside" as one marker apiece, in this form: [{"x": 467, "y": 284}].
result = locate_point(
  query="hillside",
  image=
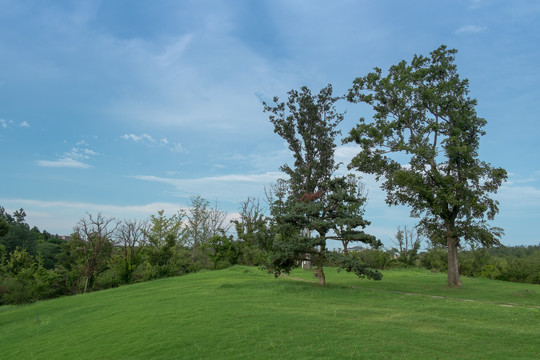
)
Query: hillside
[{"x": 244, "y": 313}]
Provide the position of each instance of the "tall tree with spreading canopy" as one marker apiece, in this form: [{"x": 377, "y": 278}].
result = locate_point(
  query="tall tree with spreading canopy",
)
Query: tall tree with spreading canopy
[
  {"x": 424, "y": 141},
  {"x": 315, "y": 203}
]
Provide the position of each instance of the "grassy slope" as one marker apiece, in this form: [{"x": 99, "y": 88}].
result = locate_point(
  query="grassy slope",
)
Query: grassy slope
[{"x": 245, "y": 313}]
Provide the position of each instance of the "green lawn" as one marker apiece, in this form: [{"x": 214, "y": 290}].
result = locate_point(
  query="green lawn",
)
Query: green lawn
[{"x": 245, "y": 313}]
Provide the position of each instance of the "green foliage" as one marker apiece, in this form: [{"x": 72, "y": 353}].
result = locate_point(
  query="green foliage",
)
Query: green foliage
[
  {"x": 374, "y": 258},
  {"x": 309, "y": 125},
  {"x": 24, "y": 280},
  {"x": 517, "y": 264},
  {"x": 19, "y": 235},
  {"x": 409, "y": 242},
  {"x": 305, "y": 224},
  {"x": 423, "y": 113},
  {"x": 48, "y": 252},
  {"x": 311, "y": 204},
  {"x": 162, "y": 229},
  {"x": 354, "y": 265},
  {"x": 4, "y": 227},
  {"x": 223, "y": 251},
  {"x": 203, "y": 222},
  {"x": 255, "y": 233},
  {"x": 94, "y": 243},
  {"x": 435, "y": 259}
]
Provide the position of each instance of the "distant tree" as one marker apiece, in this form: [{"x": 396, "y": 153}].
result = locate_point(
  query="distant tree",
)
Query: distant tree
[
  {"x": 93, "y": 236},
  {"x": 223, "y": 250},
  {"x": 4, "y": 227},
  {"x": 48, "y": 252},
  {"x": 408, "y": 241},
  {"x": 131, "y": 236},
  {"x": 310, "y": 203},
  {"x": 16, "y": 232},
  {"x": 253, "y": 231},
  {"x": 424, "y": 116},
  {"x": 165, "y": 235},
  {"x": 160, "y": 226},
  {"x": 203, "y": 222}
]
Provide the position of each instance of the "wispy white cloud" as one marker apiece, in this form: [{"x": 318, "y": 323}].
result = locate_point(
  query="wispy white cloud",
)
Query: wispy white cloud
[
  {"x": 7, "y": 123},
  {"x": 470, "y": 29},
  {"x": 148, "y": 140},
  {"x": 138, "y": 138},
  {"x": 80, "y": 153},
  {"x": 63, "y": 163},
  {"x": 75, "y": 158},
  {"x": 174, "y": 50},
  {"x": 475, "y": 4},
  {"x": 177, "y": 147},
  {"x": 232, "y": 188},
  {"x": 515, "y": 196}
]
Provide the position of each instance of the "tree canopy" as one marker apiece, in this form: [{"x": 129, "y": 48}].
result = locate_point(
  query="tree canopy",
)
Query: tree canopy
[
  {"x": 313, "y": 205},
  {"x": 423, "y": 141}
]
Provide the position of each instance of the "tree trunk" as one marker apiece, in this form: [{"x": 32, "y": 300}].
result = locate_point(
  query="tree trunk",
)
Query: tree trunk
[
  {"x": 453, "y": 261},
  {"x": 320, "y": 275},
  {"x": 345, "y": 244},
  {"x": 320, "y": 272}
]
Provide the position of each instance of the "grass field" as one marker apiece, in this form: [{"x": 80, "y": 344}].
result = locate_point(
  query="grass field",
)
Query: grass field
[{"x": 244, "y": 313}]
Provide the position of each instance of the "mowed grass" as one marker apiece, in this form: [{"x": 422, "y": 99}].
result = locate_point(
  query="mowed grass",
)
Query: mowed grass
[{"x": 244, "y": 313}]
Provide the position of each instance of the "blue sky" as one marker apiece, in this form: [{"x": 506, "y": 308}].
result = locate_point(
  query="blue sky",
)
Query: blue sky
[{"x": 129, "y": 107}]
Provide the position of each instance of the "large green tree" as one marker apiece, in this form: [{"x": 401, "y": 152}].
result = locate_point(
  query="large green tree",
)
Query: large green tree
[
  {"x": 312, "y": 203},
  {"x": 423, "y": 141}
]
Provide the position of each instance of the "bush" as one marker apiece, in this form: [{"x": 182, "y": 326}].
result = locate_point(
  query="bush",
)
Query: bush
[
  {"x": 25, "y": 280},
  {"x": 374, "y": 258},
  {"x": 435, "y": 259}
]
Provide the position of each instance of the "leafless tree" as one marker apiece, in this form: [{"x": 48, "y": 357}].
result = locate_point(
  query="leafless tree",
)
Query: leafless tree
[{"x": 94, "y": 235}]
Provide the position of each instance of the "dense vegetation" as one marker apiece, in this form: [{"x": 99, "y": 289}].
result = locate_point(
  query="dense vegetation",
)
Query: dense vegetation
[
  {"x": 244, "y": 313},
  {"x": 36, "y": 265}
]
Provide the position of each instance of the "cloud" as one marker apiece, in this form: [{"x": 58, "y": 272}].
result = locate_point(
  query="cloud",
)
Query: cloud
[
  {"x": 174, "y": 50},
  {"x": 6, "y": 123},
  {"x": 470, "y": 29},
  {"x": 71, "y": 159},
  {"x": 24, "y": 124},
  {"x": 519, "y": 196},
  {"x": 177, "y": 147},
  {"x": 148, "y": 140},
  {"x": 138, "y": 138},
  {"x": 475, "y": 4},
  {"x": 63, "y": 163},
  {"x": 232, "y": 188}
]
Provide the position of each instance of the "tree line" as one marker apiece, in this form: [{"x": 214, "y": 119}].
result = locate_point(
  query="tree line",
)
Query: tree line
[{"x": 104, "y": 252}]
